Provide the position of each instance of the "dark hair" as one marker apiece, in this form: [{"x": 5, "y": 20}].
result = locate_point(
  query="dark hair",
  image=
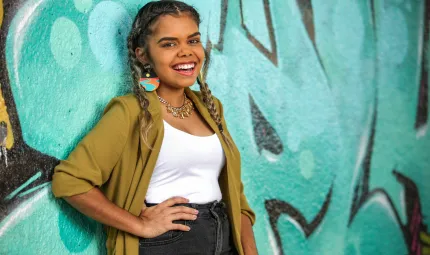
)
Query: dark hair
[{"x": 141, "y": 29}]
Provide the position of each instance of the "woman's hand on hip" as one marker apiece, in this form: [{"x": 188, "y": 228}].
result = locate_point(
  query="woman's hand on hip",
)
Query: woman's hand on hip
[{"x": 158, "y": 219}]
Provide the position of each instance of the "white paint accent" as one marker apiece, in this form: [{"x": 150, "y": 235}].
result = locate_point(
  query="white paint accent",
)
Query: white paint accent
[
  {"x": 382, "y": 200},
  {"x": 270, "y": 156},
  {"x": 422, "y": 131},
  {"x": 297, "y": 225},
  {"x": 25, "y": 16},
  {"x": 364, "y": 140},
  {"x": 272, "y": 241},
  {"x": 22, "y": 211}
]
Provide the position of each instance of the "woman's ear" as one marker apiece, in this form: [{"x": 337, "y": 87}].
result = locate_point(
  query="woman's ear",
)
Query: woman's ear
[{"x": 141, "y": 55}]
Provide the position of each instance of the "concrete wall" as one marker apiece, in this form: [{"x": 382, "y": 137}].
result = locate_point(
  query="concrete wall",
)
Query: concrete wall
[{"x": 327, "y": 101}]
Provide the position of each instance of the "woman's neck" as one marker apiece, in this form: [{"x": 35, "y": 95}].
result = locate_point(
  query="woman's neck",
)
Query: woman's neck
[{"x": 172, "y": 95}]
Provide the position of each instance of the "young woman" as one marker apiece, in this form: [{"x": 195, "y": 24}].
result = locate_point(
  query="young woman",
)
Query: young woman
[{"x": 160, "y": 169}]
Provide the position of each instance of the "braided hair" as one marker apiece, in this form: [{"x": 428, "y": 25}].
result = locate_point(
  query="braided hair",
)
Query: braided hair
[{"x": 141, "y": 29}]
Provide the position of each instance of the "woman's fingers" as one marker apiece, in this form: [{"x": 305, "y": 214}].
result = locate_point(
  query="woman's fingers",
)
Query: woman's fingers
[
  {"x": 182, "y": 216},
  {"x": 180, "y": 227},
  {"x": 181, "y": 209},
  {"x": 165, "y": 216}
]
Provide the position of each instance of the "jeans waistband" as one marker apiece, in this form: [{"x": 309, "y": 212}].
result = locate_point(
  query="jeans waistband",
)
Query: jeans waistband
[{"x": 210, "y": 205}]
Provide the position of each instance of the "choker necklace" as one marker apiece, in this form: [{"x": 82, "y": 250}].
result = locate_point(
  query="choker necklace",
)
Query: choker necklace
[{"x": 180, "y": 112}]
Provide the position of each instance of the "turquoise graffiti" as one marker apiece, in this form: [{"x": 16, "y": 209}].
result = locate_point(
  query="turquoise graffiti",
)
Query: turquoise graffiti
[{"x": 327, "y": 101}]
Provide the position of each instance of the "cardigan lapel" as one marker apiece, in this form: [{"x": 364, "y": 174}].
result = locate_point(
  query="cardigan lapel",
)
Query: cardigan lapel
[
  {"x": 155, "y": 139},
  {"x": 154, "y": 105},
  {"x": 201, "y": 108},
  {"x": 154, "y": 109}
]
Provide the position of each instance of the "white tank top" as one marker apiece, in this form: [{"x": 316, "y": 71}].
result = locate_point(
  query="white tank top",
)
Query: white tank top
[{"x": 187, "y": 166}]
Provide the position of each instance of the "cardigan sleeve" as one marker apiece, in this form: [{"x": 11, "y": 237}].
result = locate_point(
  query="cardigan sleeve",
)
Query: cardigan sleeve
[
  {"x": 244, "y": 205},
  {"x": 91, "y": 162}
]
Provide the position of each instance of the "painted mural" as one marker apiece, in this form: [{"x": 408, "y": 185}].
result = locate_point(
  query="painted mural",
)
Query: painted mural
[{"x": 327, "y": 101}]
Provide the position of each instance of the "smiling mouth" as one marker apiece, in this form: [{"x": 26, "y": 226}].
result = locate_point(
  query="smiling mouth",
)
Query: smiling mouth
[{"x": 186, "y": 69}]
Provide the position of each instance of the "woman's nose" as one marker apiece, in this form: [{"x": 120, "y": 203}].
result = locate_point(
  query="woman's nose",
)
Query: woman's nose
[{"x": 185, "y": 52}]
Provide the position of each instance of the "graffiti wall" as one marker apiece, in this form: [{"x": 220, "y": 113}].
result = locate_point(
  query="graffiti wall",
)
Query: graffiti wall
[{"x": 327, "y": 101}]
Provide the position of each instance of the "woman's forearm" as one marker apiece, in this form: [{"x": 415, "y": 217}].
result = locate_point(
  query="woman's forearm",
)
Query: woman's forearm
[
  {"x": 95, "y": 205},
  {"x": 247, "y": 236}
]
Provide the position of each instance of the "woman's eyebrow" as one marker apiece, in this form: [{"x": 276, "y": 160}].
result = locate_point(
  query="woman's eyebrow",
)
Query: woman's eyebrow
[
  {"x": 175, "y": 39},
  {"x": 167, "y": 39},
  {"x": 195, "y": 34}
]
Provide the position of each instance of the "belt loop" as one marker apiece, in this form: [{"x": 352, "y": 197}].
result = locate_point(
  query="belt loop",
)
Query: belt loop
[
  {"x": 214, "y": 204},
  {"x": 223, "y": 205},
  {"x": 219, "y": 234}
]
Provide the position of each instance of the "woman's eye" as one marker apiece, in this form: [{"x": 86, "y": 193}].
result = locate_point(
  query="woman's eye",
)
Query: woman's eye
[
  {"x": 194, "y": 41},
  {"x": 167, "y": 45}
]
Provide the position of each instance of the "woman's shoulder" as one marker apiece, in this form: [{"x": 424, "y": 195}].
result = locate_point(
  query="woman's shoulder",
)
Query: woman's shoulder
[{"x": 127, "y": 103}]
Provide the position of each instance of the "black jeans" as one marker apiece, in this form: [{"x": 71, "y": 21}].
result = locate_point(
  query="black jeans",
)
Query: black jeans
[{"x": 210, "y": 234}]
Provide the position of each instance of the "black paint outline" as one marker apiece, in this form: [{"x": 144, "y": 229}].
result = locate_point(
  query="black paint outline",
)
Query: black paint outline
[
  {"x": 275, "y": 208},
  {"x": 270, "y": 55},
  {"x": 423, "y": 101},
  {"x": 304, "y": 6}
]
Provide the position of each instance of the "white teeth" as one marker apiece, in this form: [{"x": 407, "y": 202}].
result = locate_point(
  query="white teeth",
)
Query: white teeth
[{"x": 184, "y": 66}]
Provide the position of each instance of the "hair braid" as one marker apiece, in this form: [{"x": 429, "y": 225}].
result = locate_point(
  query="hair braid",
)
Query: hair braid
[
  {"x": 139, "y": 91},
  {"x": 208, "y": 100}
]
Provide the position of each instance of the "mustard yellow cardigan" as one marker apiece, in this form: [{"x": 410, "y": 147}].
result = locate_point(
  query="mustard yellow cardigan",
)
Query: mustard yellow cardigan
[{"x": 114, "y": 158}]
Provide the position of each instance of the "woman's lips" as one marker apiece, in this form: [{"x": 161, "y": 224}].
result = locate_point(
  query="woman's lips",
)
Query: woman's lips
[
  {"x": 186, "y": 69},
  {"x": 185, "y": 72}
]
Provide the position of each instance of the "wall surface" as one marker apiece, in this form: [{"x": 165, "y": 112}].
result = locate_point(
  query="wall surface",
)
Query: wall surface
[{"x": 327, "y": 101}]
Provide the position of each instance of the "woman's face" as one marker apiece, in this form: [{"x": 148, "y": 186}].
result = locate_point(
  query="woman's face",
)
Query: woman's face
[{"x": 175, "y": 50}]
